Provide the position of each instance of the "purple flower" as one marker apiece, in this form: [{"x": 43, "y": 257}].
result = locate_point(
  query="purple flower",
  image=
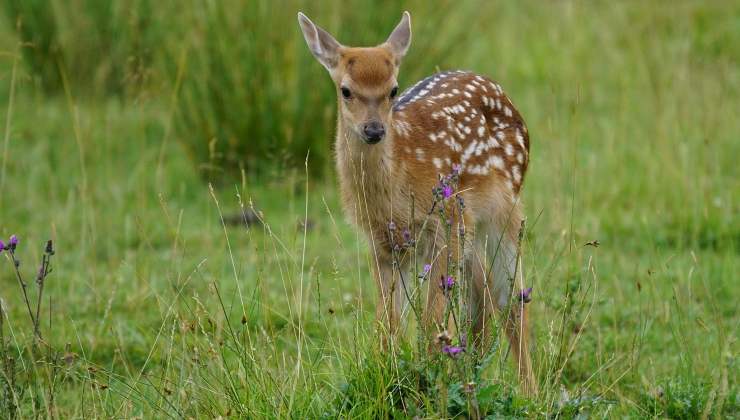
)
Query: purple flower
[
  {"x": 455, "y": 169},
  {"x": 448, "y": 283},
  {"x": 447, "y": 191},
  {"x": 452, "y": 351},
  {"x": 2, "y": 246},
  {"x": 525, "y": 295},
  {"x": 391, "y": 225},
  {"x": 406, "y": 235},
  {"x": 12, "y": 242},
  {"x": 425, "y": 271}
]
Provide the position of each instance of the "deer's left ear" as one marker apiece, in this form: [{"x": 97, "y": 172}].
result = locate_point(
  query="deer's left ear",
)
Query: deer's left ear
[{"x": 400, "y": 39}]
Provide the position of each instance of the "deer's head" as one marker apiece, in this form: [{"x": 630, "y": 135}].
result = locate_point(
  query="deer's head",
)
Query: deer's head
[{"x": 365, "y": 78}]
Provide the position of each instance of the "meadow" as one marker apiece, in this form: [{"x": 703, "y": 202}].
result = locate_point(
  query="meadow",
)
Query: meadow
[{"x": 135, "y": 135}]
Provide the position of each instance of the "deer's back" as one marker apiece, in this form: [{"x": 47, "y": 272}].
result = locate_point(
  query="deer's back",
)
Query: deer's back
[{"x": 461, "y": 118}]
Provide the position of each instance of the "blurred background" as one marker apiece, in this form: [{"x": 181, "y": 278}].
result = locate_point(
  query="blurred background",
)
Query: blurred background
[{"x": 116, "y": 116}]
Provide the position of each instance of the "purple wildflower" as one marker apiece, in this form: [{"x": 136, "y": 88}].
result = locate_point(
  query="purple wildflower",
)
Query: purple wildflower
[
  {"x": 427, "y": 268},
  {"x": 12, "y": 242},
  {"x": 455, "y": 169},
  {"x": 447, "y": 191},
  {"x": 452, "y": 351},
  {"x": 2, "y": 246},
  {"x": 391, "y": 225},
  {"x": 448, "y": 283},
  {"x": 525, "y": 295},
  {"x": 406, "y": 235}
]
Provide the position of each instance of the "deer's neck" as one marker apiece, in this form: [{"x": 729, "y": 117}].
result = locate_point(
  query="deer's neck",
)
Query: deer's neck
[{"x": 365, "y": 172}]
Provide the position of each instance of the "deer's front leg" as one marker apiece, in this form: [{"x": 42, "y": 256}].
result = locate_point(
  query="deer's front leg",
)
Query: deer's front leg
[
  {"x": 388, "y": 307},
  {"x": 443, "y": 278}
]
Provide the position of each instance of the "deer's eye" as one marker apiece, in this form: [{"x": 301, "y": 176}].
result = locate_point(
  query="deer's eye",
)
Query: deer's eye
[
  {"x": 394, "y": 92},
  {"x": 346, "y": 94}
]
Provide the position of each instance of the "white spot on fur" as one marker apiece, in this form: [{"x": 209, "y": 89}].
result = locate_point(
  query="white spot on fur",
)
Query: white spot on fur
[
  {"x": 519, "y": 138},
  {"x": 517, "y": 174},
  {"x": 493, "y": 143},
  {"x": 479, "y": 149}
]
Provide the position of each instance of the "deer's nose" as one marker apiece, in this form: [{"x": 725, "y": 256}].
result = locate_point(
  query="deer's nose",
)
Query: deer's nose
[{"x": 373, "y": 132}]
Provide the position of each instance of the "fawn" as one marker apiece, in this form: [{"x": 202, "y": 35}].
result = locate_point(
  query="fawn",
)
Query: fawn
[{"x": 392, "y": 149}]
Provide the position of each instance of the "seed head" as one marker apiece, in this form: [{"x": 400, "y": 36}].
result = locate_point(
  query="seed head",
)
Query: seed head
[
  {"x": 460, "y": 202},
  {"x": 443, "y": 338}
]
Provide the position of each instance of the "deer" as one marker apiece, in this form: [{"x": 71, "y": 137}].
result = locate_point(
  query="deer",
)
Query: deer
[{"x": 392, "y": 148}]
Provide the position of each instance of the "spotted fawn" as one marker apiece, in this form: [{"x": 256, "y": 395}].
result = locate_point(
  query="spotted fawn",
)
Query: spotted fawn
[{"x": 392, "y": 149}]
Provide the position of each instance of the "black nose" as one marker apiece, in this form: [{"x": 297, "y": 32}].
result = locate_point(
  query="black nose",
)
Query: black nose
[{"x": 373, "y": 131}]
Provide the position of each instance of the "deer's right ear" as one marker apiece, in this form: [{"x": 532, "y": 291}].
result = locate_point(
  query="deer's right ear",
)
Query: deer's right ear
[{"x": 322, "y": 45}]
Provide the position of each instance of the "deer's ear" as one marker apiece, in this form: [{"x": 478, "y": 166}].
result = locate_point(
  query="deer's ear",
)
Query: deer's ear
[
  {"x": 400, "y": 39},
  {"x": 323, "y": 46}
]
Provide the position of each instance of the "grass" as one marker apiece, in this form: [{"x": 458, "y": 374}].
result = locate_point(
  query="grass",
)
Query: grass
[{"x": 158, "y": 309}]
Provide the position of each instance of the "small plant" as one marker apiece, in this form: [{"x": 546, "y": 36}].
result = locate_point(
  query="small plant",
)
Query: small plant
[{"x": 14, "y": 382}]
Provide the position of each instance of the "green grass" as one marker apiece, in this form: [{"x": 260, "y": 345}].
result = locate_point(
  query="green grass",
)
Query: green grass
[{"x": 632, "y": 112}]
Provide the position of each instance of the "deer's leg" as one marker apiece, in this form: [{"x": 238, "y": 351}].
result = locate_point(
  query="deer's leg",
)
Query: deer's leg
[
  {"x": 508, "y": 281},
  {"x": 388, "y": 307},
  {"x": 483, "y": 302},
  {"x": 436, "y": 307},
  {"x": 444, "y": 256},
  {"x": 517, "y": 330}
]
